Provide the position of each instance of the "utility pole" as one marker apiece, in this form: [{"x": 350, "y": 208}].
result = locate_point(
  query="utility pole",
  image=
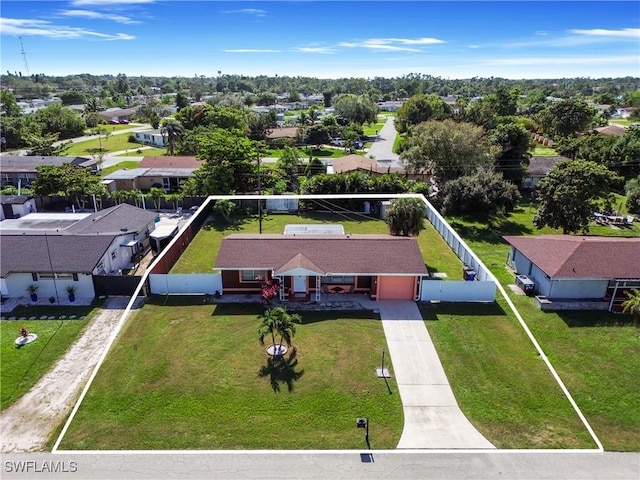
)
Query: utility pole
[
  {"x": 259, "y": 195},
  {"x": 24, "y": 57}
]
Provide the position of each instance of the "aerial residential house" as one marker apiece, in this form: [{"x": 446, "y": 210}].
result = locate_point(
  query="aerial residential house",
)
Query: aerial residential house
[
  {"x": 359, "y": 163},
  {"x": 117, "y": 115},
  {"x": 150, "y": 137},
  {"x": 22, "y": 170},
  {"x": 16, "y": 206},
  {"x": 55, "y": 250},
  {"x": 611, "y": 130},
  {"x": 539, "y": 167},
  {"x": 308, "y": 264},
  {"x": 577, "y": 272},
  {"x": 163, "y": 172}
]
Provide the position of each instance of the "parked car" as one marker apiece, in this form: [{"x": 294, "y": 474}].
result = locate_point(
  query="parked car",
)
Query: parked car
[
  {"x": 114, "y": 121},
  {"x": 124, "y": 121}
]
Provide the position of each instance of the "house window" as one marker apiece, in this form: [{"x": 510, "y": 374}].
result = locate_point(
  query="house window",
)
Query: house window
[
  {"x": 46, "y": 275},
  {"x": 67, "y": 276},
  {"x": 113, "y": 255},
  {"x": 252, "y": 275},
  {"x": 341, "y": 279}
]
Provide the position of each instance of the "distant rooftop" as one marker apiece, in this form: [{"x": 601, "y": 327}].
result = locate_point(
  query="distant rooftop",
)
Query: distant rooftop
[{"x": 38, "y": 222}]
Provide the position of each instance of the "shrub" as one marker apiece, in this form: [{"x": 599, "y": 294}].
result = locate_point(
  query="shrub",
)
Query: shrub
[{"x": 483, "y": 193}]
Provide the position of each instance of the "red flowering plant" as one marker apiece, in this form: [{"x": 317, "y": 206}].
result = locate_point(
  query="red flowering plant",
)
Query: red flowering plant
[{"x": 268, "y": 289}]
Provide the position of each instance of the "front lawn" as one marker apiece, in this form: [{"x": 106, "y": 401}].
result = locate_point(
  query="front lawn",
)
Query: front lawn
[
  {"x": 113, "y": 143},
  {"x": 144, "y": 152},
  {"x": 498, "y": 379},
  {"x": 201, "y": 253},
  {"x": 23, "y": 367},
  {"x": 540, "y": 150},
  {"x": 185, "y": 376},
  {"x": 118, "y": 166}
]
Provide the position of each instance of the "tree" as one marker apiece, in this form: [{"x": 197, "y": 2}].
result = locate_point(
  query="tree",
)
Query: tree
[
  {"x": 10, "y": 107},
  {"x": 632, "y": 304},
  {"x": 405, "y": 216},
  {"x": 356, "y": 109},
  {"x": 182, "y": 101},
  {"x": 67, "y": 180},
  {"x": 224, "y": 208},
  {"x": 566, "y": 117},
  {"x": 448, "y": 149},
  {"x": 317, "y": 135},
  {"x": 632, "y": 189},
  {"x": 289, "y": 162},
  {"x": 483, "y": 193},
  {"x": 421, "y": 108},
  {"x": 72, "y": 97},
  {"x": 261, "y": 124},
  {"x": 46, "y": 145},
  {"x": 171, "y": 130},
  {"x": 277, "y": 321},
  {"x": 156, "y": 194},
  {"x": 571, "y": 192},
  {"x": 58, "y": 119},
  {"x": 514, "y": 141}
]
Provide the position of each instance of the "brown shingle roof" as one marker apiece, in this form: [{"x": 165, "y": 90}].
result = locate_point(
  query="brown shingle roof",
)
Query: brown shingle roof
[
  {"x": 284, "y": 132},
  {"x": 611, "y": 130},
  {"x": 345, "y": 254},
  {"x": 581, "y": 256},
  {"x": 170, "y": 162},
  {"x": 351, "y": 163}
]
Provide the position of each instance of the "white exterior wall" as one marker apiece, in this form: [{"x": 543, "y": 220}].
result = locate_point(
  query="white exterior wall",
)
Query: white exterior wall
[
  {"x": 521, "y": 264},
  {"x": 457, "y": 291},
  {"x": 165, "y": 284},
  {"x": 578, "y": 288},
  {"x": 17, "y": 283},
  {"x": 122, "y": 258}
]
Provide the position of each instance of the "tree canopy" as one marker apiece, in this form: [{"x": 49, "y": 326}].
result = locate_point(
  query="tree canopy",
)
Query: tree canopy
[
  {"x": 405, "y": 216},
  {"x": 571, "y": 192},
  {"x": 566, "y": 117},
  {"x": 356, "y": 108},
  {"x": 421, "y": 108}
]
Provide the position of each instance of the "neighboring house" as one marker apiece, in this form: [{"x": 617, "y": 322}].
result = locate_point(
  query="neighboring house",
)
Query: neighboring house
[
  {"x": 16, "y": 206},
  {"x": 390, "y": 105},
  {"x": 22, "y": 169},
  {"x": 118, "y": 114},
  {"x": 625, "y": 112},
  {"x": 56, "y": 250},
  {"x": 611, "y": 130},
  {"x": 167, "y": 173},
  {"x": 538, "y": 168},
  {"x": 578, "y": 268},
  {"x": 150, "y": 137},
  {"x": 307, "y": 265},
  {"x": 284, "y": 132},
  {"x": 359, "y": 163}
]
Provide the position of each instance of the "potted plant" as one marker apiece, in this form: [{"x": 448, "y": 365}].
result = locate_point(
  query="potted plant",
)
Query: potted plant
[
  {"x": 52, "y": 299},
  {"x": 71, "y": 291},
  {"x": 33, "y": 291}
]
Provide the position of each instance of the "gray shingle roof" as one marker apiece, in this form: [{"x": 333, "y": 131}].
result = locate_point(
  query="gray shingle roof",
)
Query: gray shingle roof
[
  {"x": 29, "y": 253},
  {"x": 113, "y": 220},
  {"x": 364, "y": 254},
  {"x": 15, "y": 163},
  {"x": 541, "y": 166}
]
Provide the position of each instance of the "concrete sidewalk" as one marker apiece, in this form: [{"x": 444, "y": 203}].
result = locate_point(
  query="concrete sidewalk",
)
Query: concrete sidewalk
[{"x": 432, "y": 418}]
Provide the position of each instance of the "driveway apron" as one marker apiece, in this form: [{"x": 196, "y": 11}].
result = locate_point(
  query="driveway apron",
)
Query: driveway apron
[{"x": 432, "y": 418}]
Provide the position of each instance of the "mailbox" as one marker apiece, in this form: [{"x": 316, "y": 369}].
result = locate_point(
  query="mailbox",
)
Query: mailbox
[{"x": 526, "y": 284}]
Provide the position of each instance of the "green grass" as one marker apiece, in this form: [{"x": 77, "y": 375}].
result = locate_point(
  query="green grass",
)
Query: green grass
[
  {"x": 373, "y": 128},
  {"x": 192, "y": 377},
  {"x": 113, "y": 143},
  {"x": 111, "y": 128},
  {"x": 621, "y": 121},
  {"x": 23, "y": 367},
  {"x": 201, "y": 253},
  {"x": 146, "y": 152},
  {"x": 595, "y": 353},
  {"x": 396, "y": 143},
  {"x": 499, "y": 381},
  {"x": 540, "y": 150},
  {"x": 118, "y": 166}
]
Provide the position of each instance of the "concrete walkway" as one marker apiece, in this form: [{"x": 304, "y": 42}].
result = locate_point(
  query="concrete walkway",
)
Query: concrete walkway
[{"x": 432, "y": 418}]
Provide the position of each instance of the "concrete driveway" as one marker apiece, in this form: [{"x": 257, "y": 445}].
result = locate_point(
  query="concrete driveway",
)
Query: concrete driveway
[
  {"x": 432, "y": 418},
  {"x": 382, "y": 149}
]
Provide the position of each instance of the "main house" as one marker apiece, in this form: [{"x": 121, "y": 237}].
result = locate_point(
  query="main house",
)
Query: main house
[
  {"x": 53, "y": 251},
  {"x": 591, "y": 269},
  {"x": 308, "y": 265}
]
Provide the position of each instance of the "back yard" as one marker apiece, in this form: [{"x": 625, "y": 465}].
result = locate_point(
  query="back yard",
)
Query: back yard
[{"x": 201, "y": 253}]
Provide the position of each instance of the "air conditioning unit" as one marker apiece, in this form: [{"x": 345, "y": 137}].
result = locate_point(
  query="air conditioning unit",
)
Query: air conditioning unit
[{"x": 526, "y": 284}]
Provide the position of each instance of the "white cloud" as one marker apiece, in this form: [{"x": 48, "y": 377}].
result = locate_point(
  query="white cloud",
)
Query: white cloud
[
  {"x": 391, "y": 44},
  {"x": 314, "y": 49},
  {"x": 110, "y": 3},
  {"x": 250, "y": 50},
  {"x": 474, "y": 46},
  {"x": 42, "y": 28},
  {"x": 98, "y": 16},
  {"x": 248, "y": 11},
  {"x": 601, "y": 32}
]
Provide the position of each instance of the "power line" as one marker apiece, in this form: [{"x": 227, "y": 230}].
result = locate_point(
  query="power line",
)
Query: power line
[{"x": 24, "y": 56}]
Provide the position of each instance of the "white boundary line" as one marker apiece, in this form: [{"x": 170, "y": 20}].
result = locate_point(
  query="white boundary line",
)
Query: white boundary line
[{"x": 125, "y": 314}]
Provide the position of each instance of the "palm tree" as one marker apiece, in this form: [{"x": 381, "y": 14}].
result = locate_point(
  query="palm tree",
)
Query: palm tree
[
  {"x": 157, "y": 194},
  {"x": 119, "y": 196},
  {"x": 171, "y": 130},
  {"x": 632, "y": 305},
  {"x": 405, "y": 216},
  {"x": 278, "y": 321}
]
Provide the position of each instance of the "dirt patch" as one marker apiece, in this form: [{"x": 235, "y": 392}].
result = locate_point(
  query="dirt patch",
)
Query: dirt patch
[{"x": 27, "y": 424}]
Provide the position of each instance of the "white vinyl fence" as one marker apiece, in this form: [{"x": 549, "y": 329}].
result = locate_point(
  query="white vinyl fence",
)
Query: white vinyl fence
[
  {"x": 457, "y": 291},
  {"x": 185, "y": 284}
]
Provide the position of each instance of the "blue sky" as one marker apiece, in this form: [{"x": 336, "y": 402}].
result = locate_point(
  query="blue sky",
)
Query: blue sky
[{"x": 511, "y": 39}]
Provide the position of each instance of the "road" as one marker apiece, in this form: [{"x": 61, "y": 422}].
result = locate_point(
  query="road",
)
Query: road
[
  {"x": 327, "y": 465},
  {"x": 382, "y": 149}
]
